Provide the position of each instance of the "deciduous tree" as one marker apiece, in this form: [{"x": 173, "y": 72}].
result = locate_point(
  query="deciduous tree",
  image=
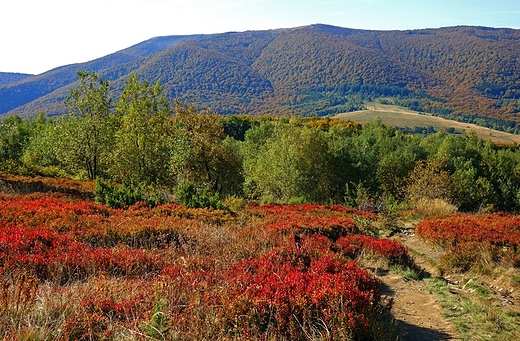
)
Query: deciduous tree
[
  {"x": 87, "y": 138},
  {"x": 141, "y": 150},
  {"x": 201, "y": 153}
]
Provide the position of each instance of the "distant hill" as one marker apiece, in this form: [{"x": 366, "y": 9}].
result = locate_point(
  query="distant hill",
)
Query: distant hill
[
  {"x": 316, "y": 69},
  {"x": 47, "y": 91},
  {"x": 7, "y": 78}
]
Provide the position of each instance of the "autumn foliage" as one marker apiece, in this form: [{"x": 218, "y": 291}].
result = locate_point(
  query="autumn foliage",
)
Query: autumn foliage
[
  {"x": 475, "y": 241},
  {"x": 285, "y": 272}
]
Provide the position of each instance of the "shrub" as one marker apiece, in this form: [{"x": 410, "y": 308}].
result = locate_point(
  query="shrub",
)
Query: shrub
[
  {"x": 392, "y": 251},
  {"x": 58, "y": 257},
  {"x": 434, "y": 207},
  {"x": 82, "y": 271},
  {"x": 234, "y": 203},
  {"x": 192, "y": 197},
  {"x": 126, "y": 194},
  {"x": 294, "y": 294},
  {"x": 474, "y": 242}
]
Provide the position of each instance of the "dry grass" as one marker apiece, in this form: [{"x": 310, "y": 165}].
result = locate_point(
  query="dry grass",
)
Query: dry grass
[
  {"x": 476, "y": 314},
  {"x": 434, "y": 207},
  {"x": 402, "y": 117}
]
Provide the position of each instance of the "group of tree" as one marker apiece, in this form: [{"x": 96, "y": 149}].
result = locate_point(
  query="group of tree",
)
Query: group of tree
[{"x": 141, "y": 140}]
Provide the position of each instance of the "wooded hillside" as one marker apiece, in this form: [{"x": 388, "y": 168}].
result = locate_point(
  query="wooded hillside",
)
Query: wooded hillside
[{"x": 309, "y": 70}]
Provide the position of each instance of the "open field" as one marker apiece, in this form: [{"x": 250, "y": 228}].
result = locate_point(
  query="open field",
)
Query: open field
[
  {"x": 402, "y": 117},
  {"x": 72, "y": 269}
]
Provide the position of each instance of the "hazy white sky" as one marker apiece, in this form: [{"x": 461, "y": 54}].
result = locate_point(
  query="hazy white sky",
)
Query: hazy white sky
[{"x": 38, "y": 35}]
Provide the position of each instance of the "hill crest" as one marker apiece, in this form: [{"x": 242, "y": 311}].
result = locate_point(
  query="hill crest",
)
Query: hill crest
[{"x": 314, "y": 69}]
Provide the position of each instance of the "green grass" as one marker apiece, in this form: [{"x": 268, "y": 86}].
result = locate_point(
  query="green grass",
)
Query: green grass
[
  {"x": 476, "y": 315},
  {"x": 408, "y": 273},
  {"x": 401, "y": 117}
]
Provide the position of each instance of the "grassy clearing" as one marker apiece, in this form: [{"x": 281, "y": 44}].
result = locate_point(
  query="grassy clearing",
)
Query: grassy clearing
[
  {"x": 475, "y": 313},
  {"x": 401, "y": 117}
]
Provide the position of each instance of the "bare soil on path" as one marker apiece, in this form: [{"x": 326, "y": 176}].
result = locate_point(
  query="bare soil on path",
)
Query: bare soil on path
[{"x": 418, "y": 314}]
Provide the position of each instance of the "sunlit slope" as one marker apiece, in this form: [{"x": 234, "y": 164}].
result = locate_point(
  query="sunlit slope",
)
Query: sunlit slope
[{"x": 402, "y": 117}]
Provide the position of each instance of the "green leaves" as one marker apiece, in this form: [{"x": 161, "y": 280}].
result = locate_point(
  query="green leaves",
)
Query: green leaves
[
  {"x": 201, "y": 154},
  {"x": 87, "y": 133},
  {"x": 140, "y": 151},
  {"x": 289, "y": 162},
  {"x": 192, "y": 197}
]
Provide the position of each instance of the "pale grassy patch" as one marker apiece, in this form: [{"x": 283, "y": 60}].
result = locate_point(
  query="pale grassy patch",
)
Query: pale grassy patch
[{"x": 434, "y": 207}]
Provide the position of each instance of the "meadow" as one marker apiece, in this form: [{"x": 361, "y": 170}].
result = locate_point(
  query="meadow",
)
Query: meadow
[
  {"x": 72, "y": 269},
  {"x": 76, "y": 270},
  {"x": 402, "y": 117}
]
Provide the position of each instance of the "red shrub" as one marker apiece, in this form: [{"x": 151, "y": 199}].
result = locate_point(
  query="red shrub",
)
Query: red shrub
[
  {"x": 354, "y": 245},
  {"x": 498, "y": 229},
  {"x": 474, "y": 241},
  {"x": 307, "y": 219},
  {"x": 288, "y": 288},
  {"x": 52, "y": 255}
]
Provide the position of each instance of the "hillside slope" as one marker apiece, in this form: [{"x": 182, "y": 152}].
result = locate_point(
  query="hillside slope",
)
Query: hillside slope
[
  {"x": 307, "y": 70},
  {"x": 401, "y": 117},
  {"x": 7, "y": 78},
  {"x": 17, "y": 94}
]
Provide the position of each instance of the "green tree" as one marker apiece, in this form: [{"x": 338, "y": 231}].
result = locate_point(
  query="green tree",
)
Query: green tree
[
  {"x": 373, "y": 155},
  {"x": 88, "y": 134},
  {"x": 398, "y": 157},
  {"x": 141, "y": 149},
  {"x": 42, "y": 149},
  {"x": 471, "y": 190},
  {"x": 13, "y": 137},
  {"x": 340, "y": 167},
  {"x": 506, "y": 176},
  {"x": 202, "y": 154},
  {"x": 236, "y": 126},
  {"x": 254, "y": 141},
  {"x": 291, "y": 163}
]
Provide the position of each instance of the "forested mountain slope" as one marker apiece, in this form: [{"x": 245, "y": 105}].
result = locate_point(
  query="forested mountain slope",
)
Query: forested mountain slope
[
  {"x": 7, "y": 78},
  {"x": 316, "y": 69},
  {"x": 18, "y": 93}
]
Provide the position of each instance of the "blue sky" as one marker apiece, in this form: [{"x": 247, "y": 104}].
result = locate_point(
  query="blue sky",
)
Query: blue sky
[{"x": 38, "y": 35}]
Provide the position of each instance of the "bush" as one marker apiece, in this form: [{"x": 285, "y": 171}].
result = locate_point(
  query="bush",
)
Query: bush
[
  {"x": 302, "y": 293},
  {"x": 434, "y": 207},
  {"x": 192, "y": 197},
  {"x": 126, "y": 194},
  {"x": 234, "y": 203}
]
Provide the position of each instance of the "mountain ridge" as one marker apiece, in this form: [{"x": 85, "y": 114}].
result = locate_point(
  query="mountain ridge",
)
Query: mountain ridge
[{"x": 302, "y": 70}]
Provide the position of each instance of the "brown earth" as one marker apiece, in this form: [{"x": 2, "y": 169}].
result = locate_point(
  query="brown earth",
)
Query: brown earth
[{"x": 418, "y": 313}]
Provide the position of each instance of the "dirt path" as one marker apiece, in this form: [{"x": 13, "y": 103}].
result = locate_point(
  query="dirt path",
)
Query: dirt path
[{"x": 418, "y": 313}]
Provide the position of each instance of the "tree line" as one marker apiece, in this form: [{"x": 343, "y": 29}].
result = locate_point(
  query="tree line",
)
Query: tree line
[{"x": 141, "y": 145}]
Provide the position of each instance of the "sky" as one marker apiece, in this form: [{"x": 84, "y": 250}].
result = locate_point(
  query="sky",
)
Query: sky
[{"x": 37, "y": 36}]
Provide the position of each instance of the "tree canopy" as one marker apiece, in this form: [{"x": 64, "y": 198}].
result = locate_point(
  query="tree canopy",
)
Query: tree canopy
[{"x": 141, "y": 138}]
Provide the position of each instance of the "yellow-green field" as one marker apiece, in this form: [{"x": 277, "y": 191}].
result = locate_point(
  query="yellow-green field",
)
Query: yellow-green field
[{"x": 402, "y": 117}]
